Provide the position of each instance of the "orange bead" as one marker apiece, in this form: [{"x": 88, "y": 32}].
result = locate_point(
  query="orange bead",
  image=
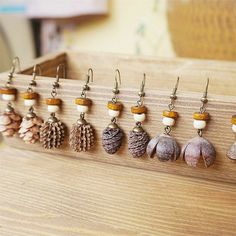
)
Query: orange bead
[
  {"x": 9, "y": 91},
  {"x": 83, "y": 101},
  {"x": 170, "y": 114},
  {"x": 138, "y": 109},
  {"x": 29, "y": 95},
  {"x": 115, "y": 106},
  {"x": 201, "y": 116},
  {"x": 53, "y": 101},
  {"x": 233, "y": 120}
]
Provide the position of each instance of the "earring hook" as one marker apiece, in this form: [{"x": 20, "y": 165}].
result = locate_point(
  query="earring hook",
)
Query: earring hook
[
  {"x": 36, "y": 71},
  {"x": 204, "y": 97},
  {"x": 141, "y": 92},
  {"x": 63, "y": 68},
  {"x": 173, "y": 94},
  {"x": 117, "y": 82},
  {"x": 15, "y": 61},
  {"x": 89, "y": 76}
]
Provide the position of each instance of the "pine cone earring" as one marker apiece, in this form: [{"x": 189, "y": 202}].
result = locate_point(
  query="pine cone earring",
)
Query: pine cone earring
[
  {"x": 112, "y": 135},
  {"x": 82, "y": 133},
  {"x": 52, "y": 132},
  {"x": 165, "y": 146},
  {"x": 10, "y": 120},
  {"x": 138, "y": 137},
  {"x": 198, "y": 147},
  {"x": 31, "y": 123}
]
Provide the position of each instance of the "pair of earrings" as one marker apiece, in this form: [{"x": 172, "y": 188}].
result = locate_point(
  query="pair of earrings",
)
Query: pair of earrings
[
  {"x": 112, "y": 135},
  {"x": 166, "y": 146}
]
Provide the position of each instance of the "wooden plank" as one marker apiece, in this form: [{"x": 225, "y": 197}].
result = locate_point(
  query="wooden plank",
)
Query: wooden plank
[
  {"x": 42, "y": 194},
  {"x": 220, "y": 107}
]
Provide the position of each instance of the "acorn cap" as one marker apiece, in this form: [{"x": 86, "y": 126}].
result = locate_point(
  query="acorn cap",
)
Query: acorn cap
[
  {"x": 233, "y": 120},
  {"x": 9, "y": 91},
  {"x": 29, "y": 95},
  {"x": 201, "y": 116},
  {"x": 115, "y": 106},
  {"x": 83, "y": 101},
  {"x": 138, "y": 109},
  {"x": 170, "y": 114},
  {"x": 53, "y": 101}
]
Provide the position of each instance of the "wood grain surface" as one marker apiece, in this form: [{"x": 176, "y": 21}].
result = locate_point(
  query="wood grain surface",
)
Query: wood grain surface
[
  {"x": 50, "y": 195},
  {"x": 161, "y": 77}
]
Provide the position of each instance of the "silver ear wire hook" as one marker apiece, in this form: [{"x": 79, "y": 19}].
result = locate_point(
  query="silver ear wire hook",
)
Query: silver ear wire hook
[
  {"x": 141, "y": 92},
  {"x": 15, "y": 62},
  {"x": 89, "y": 79},
  {"x": 117, "y": 82},
  {"x": 36, "y": 71},
  {"x": 173, "y": 94},
  {"x": 55, "y": 85},
  {"x": 204, "y": 99}
]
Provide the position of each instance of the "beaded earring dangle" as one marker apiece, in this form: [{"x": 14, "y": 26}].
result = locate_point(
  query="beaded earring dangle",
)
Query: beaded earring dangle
[
  {"x": 10, "y": 120},
  {"x": 138, "y": 138},
  {"x": 165, "y": 146},
  {"x": 52, "y": 132},
  {"x": 112, "y": 135},
  {"x": 31, "y": 123},
  {"x": 231, "y": 153},
  {"x": 199, "y": 147},
  {"x": 82, "y": 132}
]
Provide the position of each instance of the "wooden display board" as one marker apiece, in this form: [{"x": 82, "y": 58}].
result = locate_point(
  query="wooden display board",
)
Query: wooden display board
[{"x": 161, "y": 78}]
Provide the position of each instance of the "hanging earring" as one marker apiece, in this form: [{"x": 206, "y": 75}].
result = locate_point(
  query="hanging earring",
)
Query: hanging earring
[
  {"x": 52, "y": 132},
  {"x": 31, "y": 123},
  {"x": 199, "y": 147},
  {"x": 112, "y": 136},
  {"x": 82, "y": 133},
  {"x": 10, "y": 120},
  {"x": 138, "y": 137},
  {"x": 164, "y": 145},
  {"x": 231, "y": 154}
]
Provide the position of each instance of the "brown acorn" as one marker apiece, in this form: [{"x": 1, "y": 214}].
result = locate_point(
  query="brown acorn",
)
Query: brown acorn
[
  {"x": 165, "y": 147},
  {"x": 198, "y": 148}
]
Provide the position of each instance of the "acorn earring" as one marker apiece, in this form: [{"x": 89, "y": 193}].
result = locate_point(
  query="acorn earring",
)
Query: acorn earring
[
  {"x": 52, "y": 132},
  {"x": 164, "y": 145},
  {"x": 112, "y": 136},
  {"x": 199, "y": 147},
  {"x": 231, "y": 154},
  {"x": 138, "y": 137},
  {"x": 31, "y": 123},
  {"x": 10, "y": 120},
  {"x": 82, "y": 133}
]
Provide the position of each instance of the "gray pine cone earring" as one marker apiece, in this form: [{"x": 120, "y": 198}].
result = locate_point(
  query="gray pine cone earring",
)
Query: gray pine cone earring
[
  {"x": 231, "y": 154},
  {"x": 164, "y": 145},
  {"x": 52, "y": 132},
  {"x": 31, "y": 123},
  {"x": 82, "y": 133},
  {"x": 199, "y": 147},
  {"x": 138, "y": 137},
  {"x": 10, "y": 120},
  {"x": 112, "y": 135}
]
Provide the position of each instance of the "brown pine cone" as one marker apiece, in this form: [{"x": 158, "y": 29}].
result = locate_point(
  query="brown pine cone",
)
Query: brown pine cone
[
  {"x": 81, "y": 137},
  {"x": 29, "y": 129},
  {"x": 52, "y": 134},
  {"x": 112, "y": 139},
  {"x": 137, "y": 142},
  {"x": 9, "y": 123}
]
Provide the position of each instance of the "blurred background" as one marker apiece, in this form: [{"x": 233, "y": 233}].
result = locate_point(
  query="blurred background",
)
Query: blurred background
[{"x": 164, "y": 28}]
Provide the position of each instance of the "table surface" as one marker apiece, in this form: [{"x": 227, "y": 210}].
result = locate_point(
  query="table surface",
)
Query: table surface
[{"x": 46, "y": 195}]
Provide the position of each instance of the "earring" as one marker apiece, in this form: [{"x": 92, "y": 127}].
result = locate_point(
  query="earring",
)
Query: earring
[
  {"x": 31, "y": 123},
  {"x": 164, "y": 145},
  {"x": 199, "y": 147},
  {"x": 10, "y": 120},
  {"x": 82, "y": 133},
  {"x": 231, "y": 154},
  {"x": 112, "y": 135},
  {"x": 138, "y": 137},
  {"x": 52, "y": 132}
]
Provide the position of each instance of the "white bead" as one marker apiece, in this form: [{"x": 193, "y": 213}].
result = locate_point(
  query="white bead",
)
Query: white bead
[
  {"x": 82, "y": 108},
  {"x": 234, "y": 128},
  {"x": 199, "y": 124},
  {"x": 29, "y": 102},
  {"x": 113, "y": 113},
  {"x": 8, "y": 97},
  {"x": 53, "y": 108},
  {"x": 167, "y": 121},
  {"x": 139, "y": 117}
]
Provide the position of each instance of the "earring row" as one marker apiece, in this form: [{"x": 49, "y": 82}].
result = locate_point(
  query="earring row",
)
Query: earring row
[{"x": 51, "y": 133}]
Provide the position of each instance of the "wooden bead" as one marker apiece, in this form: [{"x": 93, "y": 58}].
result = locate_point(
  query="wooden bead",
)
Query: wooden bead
[
  {"x": 138, "y": 109},
  {"x": 53, "y": 101},
  {"x": 29, "y": 95},
  {"x": 201, "y": 116},
  {"x": 170, "y": 114},
  {"x": 9, "y": 91},
  {"x": 115, "y": 106},
  {"x": 83, "y": 101},
  {"x": 233, "y": 120}
]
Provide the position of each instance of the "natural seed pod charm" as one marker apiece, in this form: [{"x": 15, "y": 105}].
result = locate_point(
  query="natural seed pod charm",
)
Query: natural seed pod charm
[
  {"x": 199, "y": 148},
  {"x": 231, "y": 154},
  {"x": 164, "y": 146},
  {"x": 82, "y": 133},
  {"x": 112, "y": 135}
]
